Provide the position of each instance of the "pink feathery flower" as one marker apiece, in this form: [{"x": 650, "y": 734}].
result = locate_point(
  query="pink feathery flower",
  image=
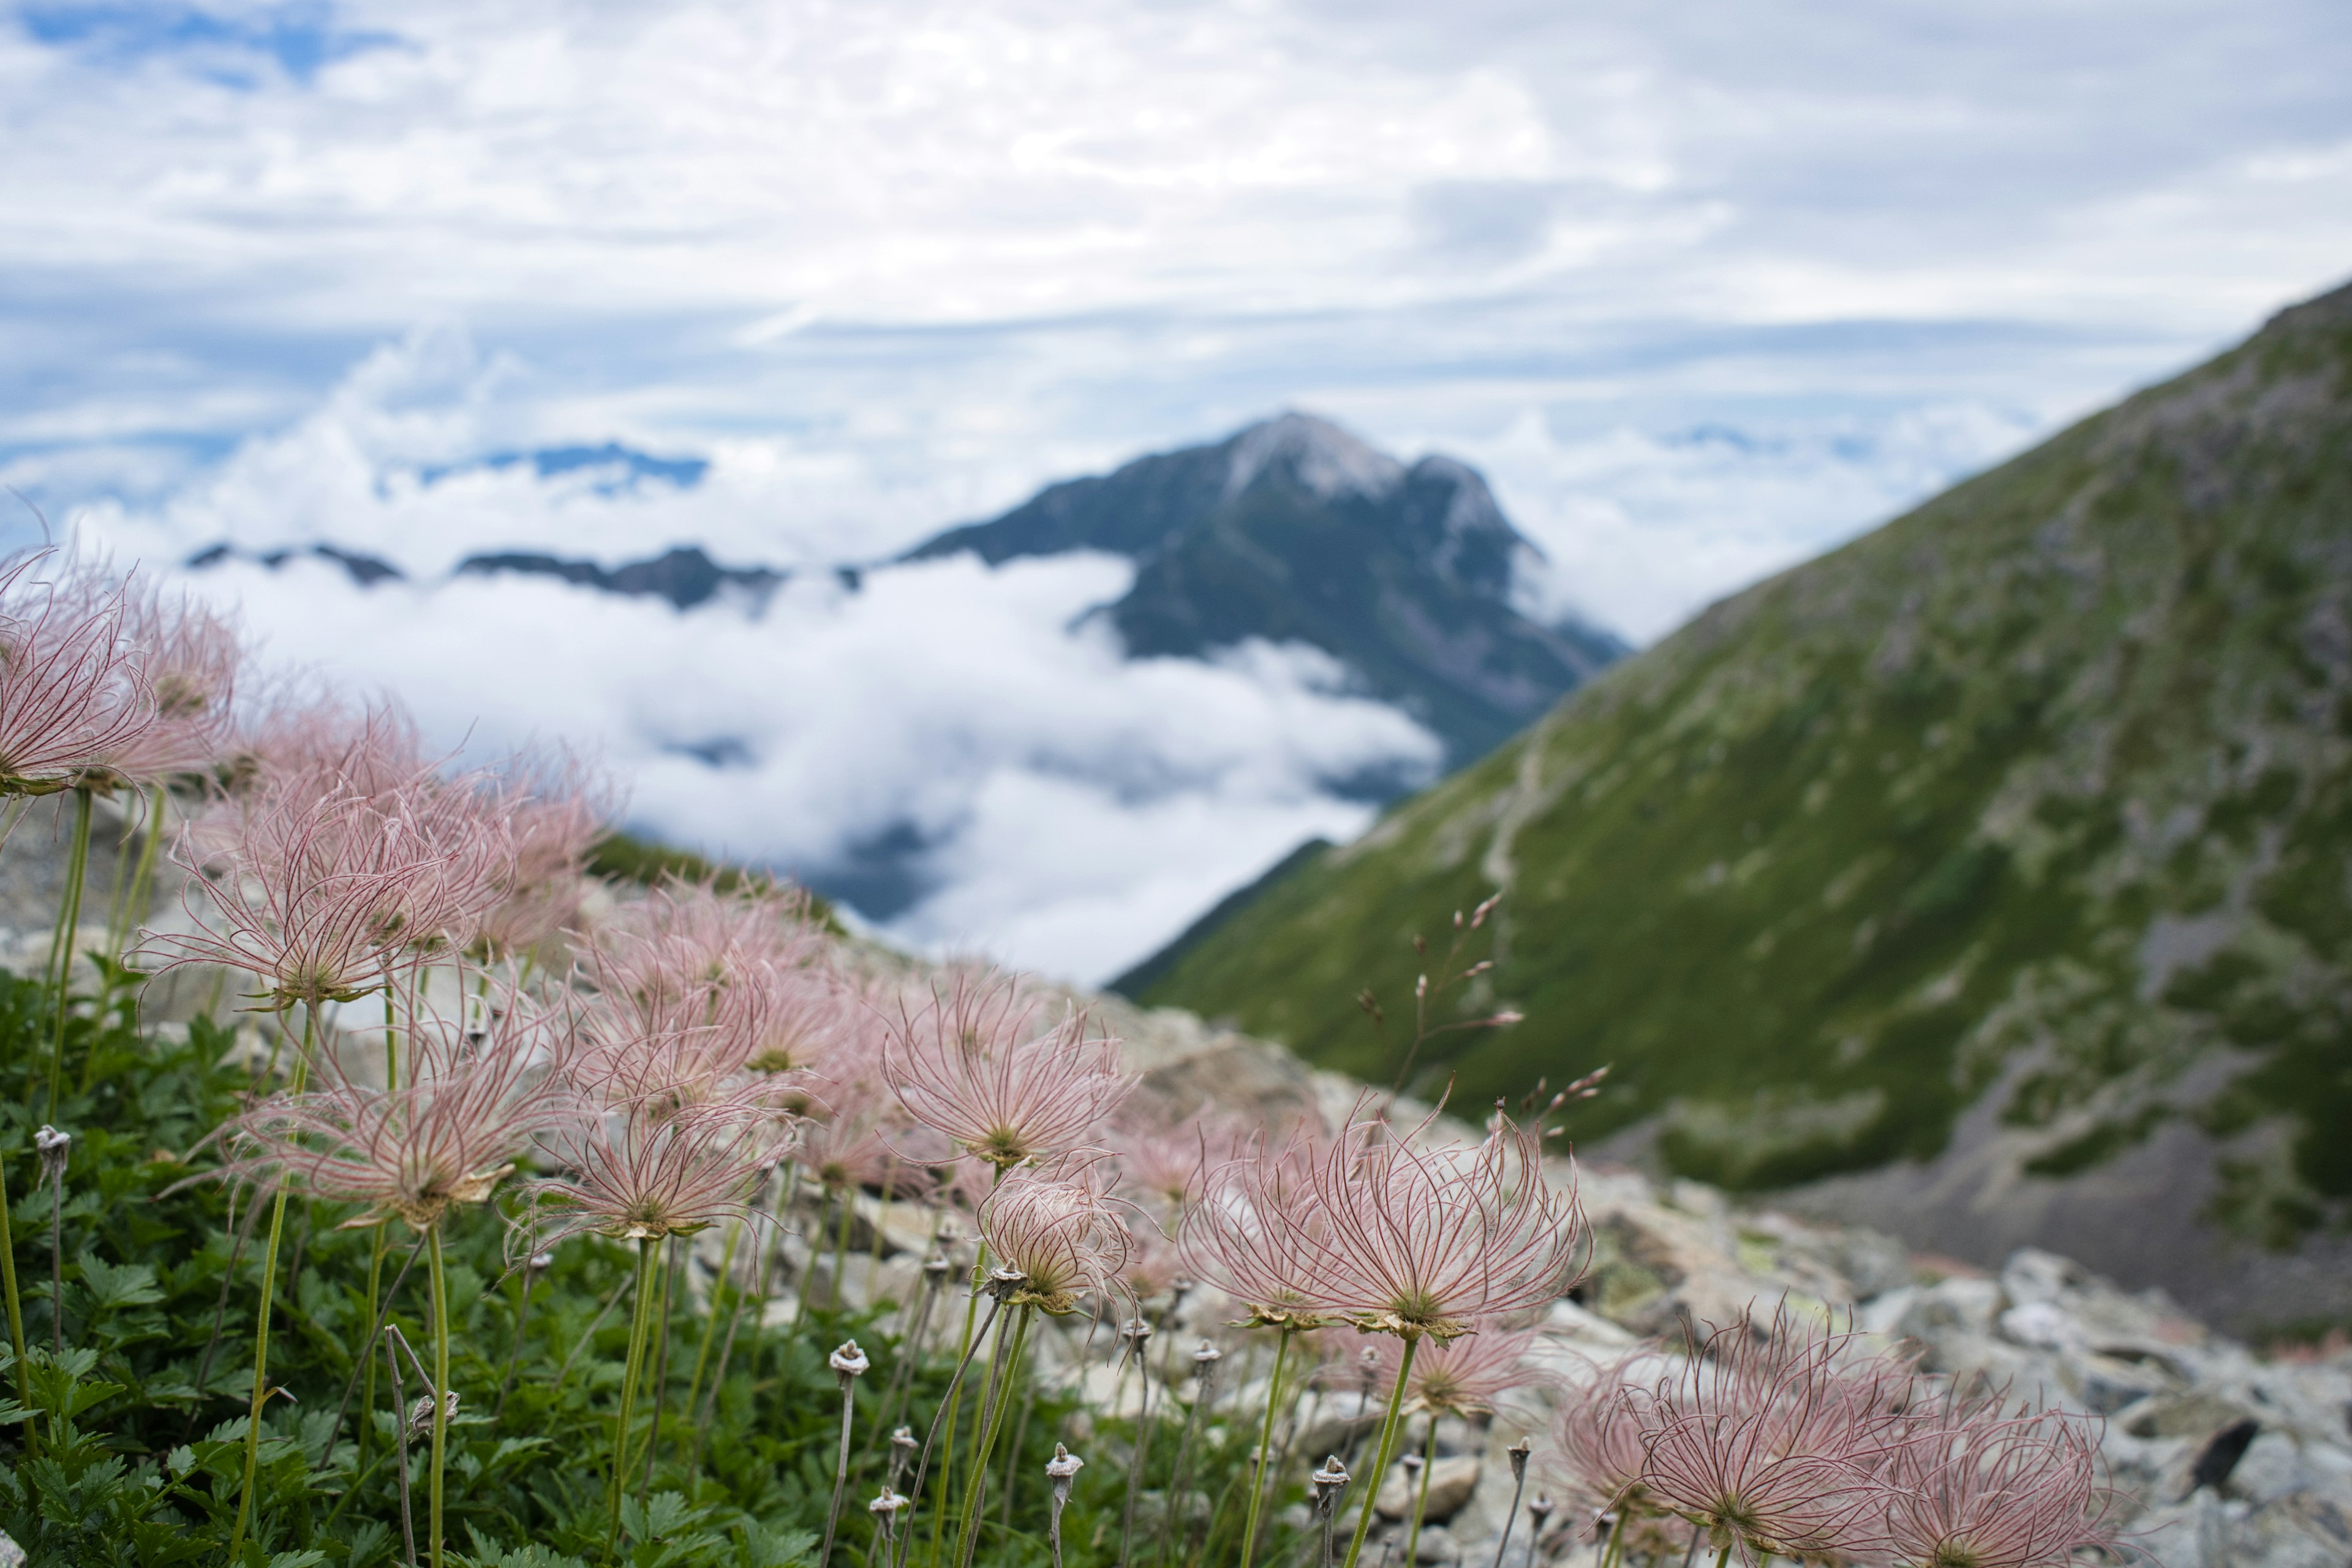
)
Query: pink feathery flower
[
  {"x": 1969, "y": 1486},
  {"x": 739, "y": 964},
  {"x": 474, "y": 1099},
  {"x": 1597, "y": 1447},
  {"x": 1257, "y": 1222},
  {"x": 842, "y": 1148},
  {"x": 189, "y": 657},
  {"x": 1169, "y": 1168},
  {"x": 629, "y": 1175},
  {"x": 72, "y": 686},
  {"x": 1425, "y": 1241},
  {"x": 1768, "y": 1442},
  {"x": 1468, "y": 1376},
  {"x": 1061, "y": 1236},
  {"x": 967, "y": 1066},
  {"x": 557, "y": 809},
  {"x": 315, "y": 898}
]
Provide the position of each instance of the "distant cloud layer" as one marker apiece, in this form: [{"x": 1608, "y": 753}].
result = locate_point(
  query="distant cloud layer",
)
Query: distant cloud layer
[{"x": 1704, "y": 288}]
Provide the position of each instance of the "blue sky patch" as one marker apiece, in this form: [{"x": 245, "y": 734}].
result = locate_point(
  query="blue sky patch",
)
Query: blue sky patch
[{"x": 233, "y": 51}]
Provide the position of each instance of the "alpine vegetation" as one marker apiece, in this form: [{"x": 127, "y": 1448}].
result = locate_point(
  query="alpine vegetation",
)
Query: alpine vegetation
[{"x": 669, "y": 1216}]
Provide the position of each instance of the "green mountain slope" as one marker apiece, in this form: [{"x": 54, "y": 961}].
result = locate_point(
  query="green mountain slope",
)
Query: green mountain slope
[{"x": 2022, "y": 822}]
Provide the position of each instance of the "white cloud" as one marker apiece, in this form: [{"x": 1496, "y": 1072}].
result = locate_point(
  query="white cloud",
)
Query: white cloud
[{"x": 1083, "y": 808}]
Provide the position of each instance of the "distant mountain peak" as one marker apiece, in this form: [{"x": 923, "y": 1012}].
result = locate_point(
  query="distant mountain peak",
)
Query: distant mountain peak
[
  {"x": 1292, "y": 529},
  {"x": 1325, "y": 460}
]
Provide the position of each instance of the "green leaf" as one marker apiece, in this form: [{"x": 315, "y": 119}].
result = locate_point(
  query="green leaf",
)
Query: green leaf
[{"x": 113, "y": 1287}]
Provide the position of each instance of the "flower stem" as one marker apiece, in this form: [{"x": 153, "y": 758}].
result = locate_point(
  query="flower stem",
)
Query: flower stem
[
  {"x": 840, "y": 1470},
  {"x": 1518, "y": 1488},
  {"x": 144, "y": 878},
  {"x": 68, "y": 921},
  {"x": 946, "y": 1412},
  {"x": 1141, "y": 1459},
  {"x": 440, "y": 1388},
  {"x": 399, "y": 1452},
  {"x": 670, "y": 1270},
  {"x": 841, "y": 1242},
  {"x": 1420, "y": 1503},
  {"x": 1264, "y": 1446},
  {"x": 640, "y": 1320},
  {"x": 1386, "y": 1453},
  {"x": 261, "y": 1318},
  {"x": 726, "y": 1279},
  {"x": 955, "y": 1402},
  {"x": 15, "y": 1310},
  {"x": 992, "y": 1406}
]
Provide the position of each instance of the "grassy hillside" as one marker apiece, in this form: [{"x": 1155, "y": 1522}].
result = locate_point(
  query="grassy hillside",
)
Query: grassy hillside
[{"x": 2039, "y": 793}]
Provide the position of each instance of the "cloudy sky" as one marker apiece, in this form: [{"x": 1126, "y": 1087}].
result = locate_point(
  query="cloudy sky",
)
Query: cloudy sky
[{"x": 1703, "y": 288}]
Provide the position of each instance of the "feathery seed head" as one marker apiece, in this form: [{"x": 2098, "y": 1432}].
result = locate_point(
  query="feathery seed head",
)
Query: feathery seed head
[
  {"x": 1061, "y": 1236},
  {"x": 629, "y": 1173},
  {"x": 1423, "y": 1241},
  {"x": 1768, "y": 1441},
  {"x": 1971, "y": 1486},
  {"x": 969, "y": 1065},
  {"x": 472, "y": 1100}
]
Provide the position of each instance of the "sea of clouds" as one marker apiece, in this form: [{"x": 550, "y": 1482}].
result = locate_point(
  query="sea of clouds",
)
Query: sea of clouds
[{"x": 964, "y": 751}]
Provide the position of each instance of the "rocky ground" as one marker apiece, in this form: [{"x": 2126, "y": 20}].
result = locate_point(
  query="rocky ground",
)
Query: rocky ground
[{"x": 2223, "y": 1456}]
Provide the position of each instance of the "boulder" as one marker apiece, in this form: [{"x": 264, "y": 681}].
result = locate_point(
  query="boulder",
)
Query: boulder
[{"x": 1450, "y": 1482}]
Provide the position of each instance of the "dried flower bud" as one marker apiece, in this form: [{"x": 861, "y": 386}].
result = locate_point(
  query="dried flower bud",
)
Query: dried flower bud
[
  {"x": 420, "y": 1416},
  {"x": 936, "y": 1267},
  {"x": 1135, "y": 1331},
  {"x": 1539, "y": 1510},
  {"x": 1062, "y": 1469},
  {"x": 1002, "y": 1281},
  {"x": 1208, "y": 1354},
  {"x": 1331, "y": 1481},
  {"x": 848, "y": 1362},
  {"x": 52, "y": 1146},
  {"x": 885, "y": 1509},
  {"x": 1412, "y": 1467},
  {"x": 904, "y": 1437},
  {"x": 540, "y": 1262},
  {"x": 1518, "y": 1452}
]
